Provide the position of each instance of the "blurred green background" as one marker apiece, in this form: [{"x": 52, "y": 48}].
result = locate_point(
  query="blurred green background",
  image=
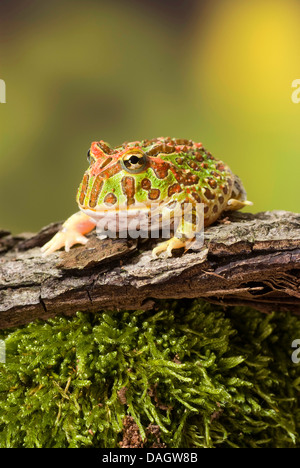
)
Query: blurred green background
[{"x": 219, "y": 72}]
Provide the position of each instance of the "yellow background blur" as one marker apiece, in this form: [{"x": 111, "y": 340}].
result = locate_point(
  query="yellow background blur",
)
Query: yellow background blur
[{"x": 219, "y": 72}]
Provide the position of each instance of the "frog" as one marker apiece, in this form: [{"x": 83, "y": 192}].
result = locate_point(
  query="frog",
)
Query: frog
[{"x": 165, "y": 171}]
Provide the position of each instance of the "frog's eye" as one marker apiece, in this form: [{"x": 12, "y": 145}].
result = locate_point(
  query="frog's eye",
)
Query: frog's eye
[{"x": 134, "y": 162}]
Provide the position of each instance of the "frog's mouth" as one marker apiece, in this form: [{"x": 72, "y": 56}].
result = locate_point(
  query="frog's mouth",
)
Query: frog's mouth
[
  {"x": 131, "y": 211},
  {"x": 110, "y": 211}
]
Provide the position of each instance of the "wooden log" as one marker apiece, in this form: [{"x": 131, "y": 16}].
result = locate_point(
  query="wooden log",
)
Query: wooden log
[{"x": 247, "y": 259}]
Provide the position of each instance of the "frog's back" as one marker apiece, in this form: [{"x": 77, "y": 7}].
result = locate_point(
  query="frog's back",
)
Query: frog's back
[{"x": 201, "y": 178}]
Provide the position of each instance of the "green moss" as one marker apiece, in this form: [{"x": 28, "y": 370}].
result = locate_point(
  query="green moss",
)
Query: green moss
[{"x": 207, "y": 376}]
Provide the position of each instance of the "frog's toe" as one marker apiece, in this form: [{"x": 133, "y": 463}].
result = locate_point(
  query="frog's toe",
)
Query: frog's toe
[
  {"x": 64, "y": 239},
  {"x": 54, "y": 244},
  {"x": 234, "y": 204},
  {"x": 76, "y": 239},
  {"x": 167, "y": 247}
]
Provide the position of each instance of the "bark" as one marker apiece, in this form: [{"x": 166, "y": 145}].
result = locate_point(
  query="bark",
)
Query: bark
[{"x": 247, "y": 259}]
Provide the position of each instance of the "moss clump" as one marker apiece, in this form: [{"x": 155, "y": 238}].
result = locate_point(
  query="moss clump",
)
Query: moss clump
[{"x": 201, "y": 375}]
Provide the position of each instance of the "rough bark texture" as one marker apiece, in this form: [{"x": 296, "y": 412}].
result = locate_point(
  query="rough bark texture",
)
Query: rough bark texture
[{"x": 247, "y": 259}]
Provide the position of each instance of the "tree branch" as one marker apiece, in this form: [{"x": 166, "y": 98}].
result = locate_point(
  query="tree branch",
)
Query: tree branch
[{"x": 246, "y": 260}]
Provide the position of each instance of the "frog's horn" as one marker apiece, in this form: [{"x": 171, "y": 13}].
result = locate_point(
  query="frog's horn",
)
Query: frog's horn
[{"x": 100, "y": 149}]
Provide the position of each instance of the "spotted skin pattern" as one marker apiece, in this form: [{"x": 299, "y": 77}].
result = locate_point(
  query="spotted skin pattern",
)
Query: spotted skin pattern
[{"x": 163, "y": 171}]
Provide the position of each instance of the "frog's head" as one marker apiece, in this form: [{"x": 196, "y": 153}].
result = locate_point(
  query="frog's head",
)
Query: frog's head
[{"x": 128, "y": 177}]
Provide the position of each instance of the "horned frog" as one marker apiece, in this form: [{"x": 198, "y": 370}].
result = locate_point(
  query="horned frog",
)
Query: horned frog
[{"x": 166, "y": 171}]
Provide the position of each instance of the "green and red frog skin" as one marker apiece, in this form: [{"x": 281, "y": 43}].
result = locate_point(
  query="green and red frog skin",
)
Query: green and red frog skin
[{"x": 167, "y": 172}]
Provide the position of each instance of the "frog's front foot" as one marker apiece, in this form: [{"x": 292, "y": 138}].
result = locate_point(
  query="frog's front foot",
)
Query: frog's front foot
[
  {"x": 168, "y": 246},
  {"x": 65, "y": 238}
]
